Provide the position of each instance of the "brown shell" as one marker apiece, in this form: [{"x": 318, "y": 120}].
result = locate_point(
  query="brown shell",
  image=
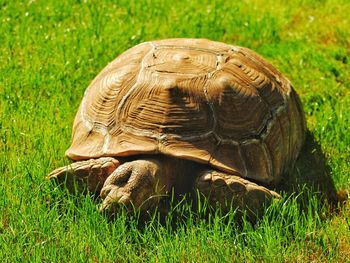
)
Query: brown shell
[{"x": 195, "y": 99}]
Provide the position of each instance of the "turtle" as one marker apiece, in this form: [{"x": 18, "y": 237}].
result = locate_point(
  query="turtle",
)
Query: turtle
[{"x": 183, "y": 115}]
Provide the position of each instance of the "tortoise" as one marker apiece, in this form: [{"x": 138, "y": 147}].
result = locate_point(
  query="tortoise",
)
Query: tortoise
[{"x": 185, "y": 115}]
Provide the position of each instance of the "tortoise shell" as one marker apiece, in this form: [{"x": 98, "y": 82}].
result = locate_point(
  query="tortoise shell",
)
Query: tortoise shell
[{"x": 194, "y": 99}]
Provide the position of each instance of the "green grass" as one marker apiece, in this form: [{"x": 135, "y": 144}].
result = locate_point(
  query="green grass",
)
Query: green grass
[{"x": 51, "y": 50}]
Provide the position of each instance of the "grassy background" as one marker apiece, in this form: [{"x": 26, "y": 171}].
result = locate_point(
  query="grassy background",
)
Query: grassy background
[{"x": 51, "y": 50}]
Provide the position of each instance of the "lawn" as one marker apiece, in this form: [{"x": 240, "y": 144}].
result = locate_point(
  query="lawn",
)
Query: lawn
[{"x": 49, "y": 53}]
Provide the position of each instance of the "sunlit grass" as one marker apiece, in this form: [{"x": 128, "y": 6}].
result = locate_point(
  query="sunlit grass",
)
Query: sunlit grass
[{"x": 51, "y": 50}]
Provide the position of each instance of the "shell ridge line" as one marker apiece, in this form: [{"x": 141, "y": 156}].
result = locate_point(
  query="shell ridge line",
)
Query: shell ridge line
[
  {"x": 107, "y": 136},
  {"x": 243, "y": 161},
  {"x": 188, "y": 48},
  {"x": 134, "y": 87},
  {"x": 211, "y": 106},
  {"x": 274, "y": 112},
  {"x": 284, "y": 150},
  {"x": 289, "y": 131},
  {"x": 162, "y": 136},
  {"x": 176, "y": 73},
  {"x": 267, "y": 154}
]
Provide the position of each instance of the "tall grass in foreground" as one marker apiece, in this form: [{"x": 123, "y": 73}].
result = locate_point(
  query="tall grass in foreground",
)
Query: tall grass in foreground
[
  {"x": 69, "y": 228},
  {"x": 51, "y": 50}
]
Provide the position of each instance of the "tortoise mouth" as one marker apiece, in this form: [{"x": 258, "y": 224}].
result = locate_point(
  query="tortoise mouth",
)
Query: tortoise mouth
[{"x": 181, "y": 61}]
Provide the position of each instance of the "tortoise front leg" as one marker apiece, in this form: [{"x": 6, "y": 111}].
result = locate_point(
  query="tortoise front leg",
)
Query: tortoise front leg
[
  {"x": 142, "y": 183},
  {"x": 90, "y": 173},
  {"x": 138, "y": 184},
  {"x": 229, "y": 191}
]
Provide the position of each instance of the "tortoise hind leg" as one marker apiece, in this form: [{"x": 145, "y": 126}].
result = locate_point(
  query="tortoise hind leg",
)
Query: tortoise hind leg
[
  {"x": 229, "y": 191},
  {"x": 90, "y": 174}
]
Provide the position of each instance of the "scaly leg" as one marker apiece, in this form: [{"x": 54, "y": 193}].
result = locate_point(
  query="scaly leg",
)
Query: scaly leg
[
  {"x": 90, "y": 173},
  {"x": 141, "y": 183},
  {"x": 229, "y": 191}
]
